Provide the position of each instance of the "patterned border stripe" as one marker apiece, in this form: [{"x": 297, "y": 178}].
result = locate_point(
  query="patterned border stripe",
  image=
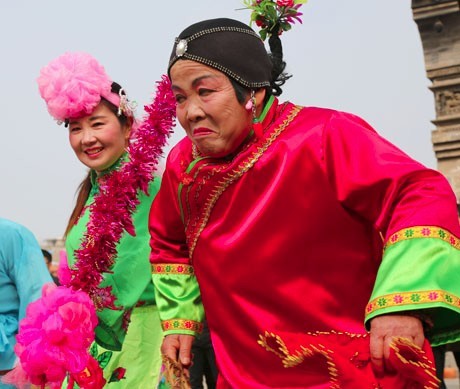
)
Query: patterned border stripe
[
  {"x": 405, "y": 298},
  {"x": 182, "y": 324},
  {"x": 161, "y": 268},
  {"x": 423, "y": 232}
]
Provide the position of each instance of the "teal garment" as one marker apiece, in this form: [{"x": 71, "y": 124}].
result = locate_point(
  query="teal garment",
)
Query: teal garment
[
  {"x": 131, "y": 275},
  {"x": 23, "y": 273}
]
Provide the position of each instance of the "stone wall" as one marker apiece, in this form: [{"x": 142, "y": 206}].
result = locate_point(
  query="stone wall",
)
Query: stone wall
[{"x": 438, "y": 22}]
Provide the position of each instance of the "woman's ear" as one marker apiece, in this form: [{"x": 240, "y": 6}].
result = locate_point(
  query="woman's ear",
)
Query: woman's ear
[
  {"x": 260, "y": 96},
  {"x": 129, "y": 127}
]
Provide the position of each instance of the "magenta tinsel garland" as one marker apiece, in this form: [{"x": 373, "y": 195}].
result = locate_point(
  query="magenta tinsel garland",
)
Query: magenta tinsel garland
[{"x": 110, "y": 214}]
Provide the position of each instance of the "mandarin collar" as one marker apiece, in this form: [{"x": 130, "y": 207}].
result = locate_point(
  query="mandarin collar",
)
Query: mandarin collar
[{"x": 95, "y": 176}]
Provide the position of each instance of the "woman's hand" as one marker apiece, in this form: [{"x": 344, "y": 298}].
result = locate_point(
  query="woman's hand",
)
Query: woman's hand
[
  {"x": 178, "y": 347},
  {"x": 383, "y": 329}
]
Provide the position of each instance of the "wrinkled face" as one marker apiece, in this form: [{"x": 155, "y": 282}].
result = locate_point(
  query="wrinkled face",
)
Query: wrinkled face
[
  {"x": 99, "y": 139},
  {"x": 207, "y": 108}
]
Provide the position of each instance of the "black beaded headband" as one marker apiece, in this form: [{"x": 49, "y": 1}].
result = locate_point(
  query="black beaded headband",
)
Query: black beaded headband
[{"x": 228, "y": 46}]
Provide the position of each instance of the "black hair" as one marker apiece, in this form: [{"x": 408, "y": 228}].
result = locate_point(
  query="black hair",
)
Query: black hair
[
  {"x": 241, "y": 91},
  {"x": 279, "y": 76},
  {"x": 122, "y": 118},
  {"x": 47, "y": 256}
]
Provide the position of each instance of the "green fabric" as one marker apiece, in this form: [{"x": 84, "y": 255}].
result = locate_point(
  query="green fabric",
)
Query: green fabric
[
  {"x": 267, "y": 107},
  {"x": 421, "y": 274},
  {"x": 178, "y": 297},
  {"x": 131, "y": 278},
  {"x": 140, "y": 355}
]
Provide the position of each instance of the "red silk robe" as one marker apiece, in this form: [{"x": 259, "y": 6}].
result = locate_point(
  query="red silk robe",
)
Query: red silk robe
[{"x": 286, "y": 239}]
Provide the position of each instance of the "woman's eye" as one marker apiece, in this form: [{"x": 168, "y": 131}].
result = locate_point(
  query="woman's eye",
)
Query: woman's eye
[
  {"x": 98, "y": 124},
  {"x": 205, "y": 92},
  {"x": 179, "y": 98},
  {"x": 74, "y": 129}
]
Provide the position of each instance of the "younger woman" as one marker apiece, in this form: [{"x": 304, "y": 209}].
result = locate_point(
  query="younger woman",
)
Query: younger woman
[{"x": 107, "y": 239}]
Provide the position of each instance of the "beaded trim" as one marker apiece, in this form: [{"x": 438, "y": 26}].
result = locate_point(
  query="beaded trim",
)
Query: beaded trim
[
  {"x": 423, "y": 232},
  {"x": 181, "y": 325},
  {"x": 172, "y": 269},
  {"x": 411, "y": 298},
  {"x": 213, "y": 30},
  {"x": 231, "y": 177},
  {"x": 213, "y": 64},
  {"x": 223, "y": 69},
  {"x": 426, "y": 364}
]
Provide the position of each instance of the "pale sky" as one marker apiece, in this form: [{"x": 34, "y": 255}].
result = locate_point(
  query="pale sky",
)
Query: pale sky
[{"x": 360, "y": 56}]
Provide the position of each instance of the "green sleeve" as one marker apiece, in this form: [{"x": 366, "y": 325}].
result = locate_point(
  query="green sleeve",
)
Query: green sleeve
[
  {"x": 178, "y": 298},
  {"x": 420, "y": 270}
]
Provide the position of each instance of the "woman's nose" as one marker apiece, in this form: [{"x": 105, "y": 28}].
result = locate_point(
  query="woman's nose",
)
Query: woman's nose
[
  {"x": 195, "y": 111},
  {"x": 88, "y": 136}
]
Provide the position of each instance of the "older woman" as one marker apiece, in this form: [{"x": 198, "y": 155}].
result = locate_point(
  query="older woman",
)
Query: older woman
[{"x": 303, "y": 227}]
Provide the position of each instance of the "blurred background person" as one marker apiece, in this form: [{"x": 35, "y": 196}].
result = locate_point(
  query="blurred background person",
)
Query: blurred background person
[
  {"x": 49, "y": 264},
  {"x": 203, "y": 361},
  {"x": 22, "y": 275}
]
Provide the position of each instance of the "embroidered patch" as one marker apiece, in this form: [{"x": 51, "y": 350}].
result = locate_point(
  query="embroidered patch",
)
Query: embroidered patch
[
  {"x": 172, "y": 269},
  {"x": 118, "y": 374},
  {"x": 397, "y": 299},
  {"x": 423, "y": 232},
  {"x": 182, "y": 324}
]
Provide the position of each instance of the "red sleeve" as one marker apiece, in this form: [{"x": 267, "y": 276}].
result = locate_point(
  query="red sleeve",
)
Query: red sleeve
[
  {"x": 375, "y": 180},
  {"x": 168, "y": 241}
]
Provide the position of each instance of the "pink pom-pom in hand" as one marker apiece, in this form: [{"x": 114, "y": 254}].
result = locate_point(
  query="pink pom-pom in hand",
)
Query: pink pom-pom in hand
[{"x": 55, "y": 336}]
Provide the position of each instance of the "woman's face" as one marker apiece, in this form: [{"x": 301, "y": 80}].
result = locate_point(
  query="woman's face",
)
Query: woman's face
[
  {"x": 98, "y": 139},
  {"x": 207, "y": 108}
]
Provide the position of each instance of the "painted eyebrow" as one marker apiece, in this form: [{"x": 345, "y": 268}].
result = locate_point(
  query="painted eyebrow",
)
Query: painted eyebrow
[
  {"x": 195, "y": 82},
  {"x": 91, "y": 119}
]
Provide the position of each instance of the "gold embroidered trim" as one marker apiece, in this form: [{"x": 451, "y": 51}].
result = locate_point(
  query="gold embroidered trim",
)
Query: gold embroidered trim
[
  {"x": 405, "y": 298},
  {"x": 237, "y": 173},
  {"x": 423, "y": 232},
  {"x": 182, "y": 324},
  {"x": 291, "y": 360},
  {"x": 160, "y": 268},
  {"x": 426, "y": 364},
  {"x": 273, "y": 343},
  {"x": 199, "y": 185}
]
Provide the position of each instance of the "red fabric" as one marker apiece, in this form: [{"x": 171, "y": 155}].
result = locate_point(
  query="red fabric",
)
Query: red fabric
[
  {"x": 345, "y": 359},
  {"x": 285, "y": 236}
]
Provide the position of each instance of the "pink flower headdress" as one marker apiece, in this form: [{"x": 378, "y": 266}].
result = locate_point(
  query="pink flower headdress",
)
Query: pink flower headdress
[{"x": 72, "y": 86}]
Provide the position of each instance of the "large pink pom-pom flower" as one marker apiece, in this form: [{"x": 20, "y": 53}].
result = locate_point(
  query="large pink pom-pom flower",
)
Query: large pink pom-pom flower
[
  {"x": 72, "y": 85},
  {"x": 55, "y": 336}
]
